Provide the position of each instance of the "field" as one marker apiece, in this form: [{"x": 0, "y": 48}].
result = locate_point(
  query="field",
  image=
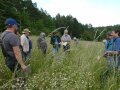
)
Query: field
[{"x": 83, "y": 68}]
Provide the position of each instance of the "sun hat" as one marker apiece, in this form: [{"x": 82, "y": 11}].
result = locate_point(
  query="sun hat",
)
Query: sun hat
[
  {"x": 26, "y": 30},
  {"x": 65, "y": 31},
  {"x": 42, "y": 34}
]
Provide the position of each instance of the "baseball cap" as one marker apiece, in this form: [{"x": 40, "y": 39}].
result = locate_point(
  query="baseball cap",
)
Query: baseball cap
[{"x": 10, "y": 21}]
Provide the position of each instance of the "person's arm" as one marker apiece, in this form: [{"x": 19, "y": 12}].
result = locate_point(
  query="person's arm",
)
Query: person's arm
[
  {"x": 62, "y": 39},
  {"x": 51, "y": 40},
  {"x": 18, "y": 56},
  {"x": 14, "y": 42},
  {"x": 69, "y": 39},
  {"x": 117, "y": 47},
  {"x": 22, "y": 41},
  {"x": 59, "y": 39}
]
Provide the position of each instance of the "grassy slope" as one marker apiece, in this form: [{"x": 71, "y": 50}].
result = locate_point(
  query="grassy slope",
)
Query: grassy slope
[{"x": 82, "y": 69}]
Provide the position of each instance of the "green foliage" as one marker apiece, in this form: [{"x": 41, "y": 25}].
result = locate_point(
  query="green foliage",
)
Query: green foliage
[
  {"x": 26, "y": 15},
  {"x": 29, "y": 16}
]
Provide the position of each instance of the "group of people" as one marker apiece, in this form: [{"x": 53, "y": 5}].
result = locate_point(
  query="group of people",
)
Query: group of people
[
  {"x": 15, "y": 48},
  {"x": 56, "y": 41},
  {"x": 112, "y": 49}
]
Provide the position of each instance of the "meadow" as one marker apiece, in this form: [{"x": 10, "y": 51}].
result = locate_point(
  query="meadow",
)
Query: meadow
[{"x": 83, "y": 68}]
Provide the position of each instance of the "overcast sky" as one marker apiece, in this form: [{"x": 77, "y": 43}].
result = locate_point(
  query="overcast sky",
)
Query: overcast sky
[{"x": 96, "y": 12}]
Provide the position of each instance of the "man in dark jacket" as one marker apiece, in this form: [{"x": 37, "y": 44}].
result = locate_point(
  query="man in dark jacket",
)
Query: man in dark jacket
[{"x": 55, "y": 41}]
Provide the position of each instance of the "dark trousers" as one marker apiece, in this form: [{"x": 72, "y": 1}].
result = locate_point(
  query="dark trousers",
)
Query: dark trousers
[
  {"x": 25, "y": 55},
  {"x": 12, "y": 63},
  {"x": 66, "y": 47}
]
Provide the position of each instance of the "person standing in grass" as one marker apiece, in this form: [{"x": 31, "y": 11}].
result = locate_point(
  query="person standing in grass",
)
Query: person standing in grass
[
  {"x": 66, "y": 39},
  {"x": 113, "y": 52},
  {"x": 42, "y": 44},
  {"x": 116, "y": 47},
  {"x": 55, "y": 42},
  {"x": 25, "y": 43},
  {"x": 10, "y": 47},
  {"x": 109, "y": 48},
  {"x": 30, "y": 46},
  {"x": 76, "y": 41}
]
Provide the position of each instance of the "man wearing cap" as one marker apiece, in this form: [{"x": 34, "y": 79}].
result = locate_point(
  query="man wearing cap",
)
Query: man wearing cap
[
  {"x": 10, "y": 46},
  {"x": 25, "y": 43}
]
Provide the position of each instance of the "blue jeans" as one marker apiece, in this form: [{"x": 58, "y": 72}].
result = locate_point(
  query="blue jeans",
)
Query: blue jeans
[
  {"x": 55, "y": 49},
  {"x": 110, "y": 61},
  {"x": 25, "y": 55},
  {"x": 117, "y": 60},
  {"x": 66, "y": 47}
]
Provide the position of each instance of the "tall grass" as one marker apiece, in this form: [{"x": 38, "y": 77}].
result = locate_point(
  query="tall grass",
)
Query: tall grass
[{"x": 83, "y": 68}]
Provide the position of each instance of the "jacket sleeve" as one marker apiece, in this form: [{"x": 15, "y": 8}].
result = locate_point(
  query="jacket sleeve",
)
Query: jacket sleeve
[
  {"x": 22, "y": 40},
  {"x": 62, "y": 38},
  {"x": 51, "y": 40},
  {"x": 59, "y": 39},
  {"x": 118, "y": 45}
]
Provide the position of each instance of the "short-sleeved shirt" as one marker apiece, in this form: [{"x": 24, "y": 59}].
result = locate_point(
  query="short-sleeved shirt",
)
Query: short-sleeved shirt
[{"x": 10, "y": 40}]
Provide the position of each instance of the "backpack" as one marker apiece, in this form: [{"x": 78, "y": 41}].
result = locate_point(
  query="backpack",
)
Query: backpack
[
  {"x": 30, "y": 44},
  {"x": 4, "y": 51}
]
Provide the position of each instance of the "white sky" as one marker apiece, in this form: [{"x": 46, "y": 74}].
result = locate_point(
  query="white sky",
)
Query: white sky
[{"x": 96, "y": 12}]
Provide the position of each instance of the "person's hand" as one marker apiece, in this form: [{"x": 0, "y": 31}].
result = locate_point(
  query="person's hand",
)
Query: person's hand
[
  {"x": 105, "y": 55},
  {"x": 24, "y": 67}
]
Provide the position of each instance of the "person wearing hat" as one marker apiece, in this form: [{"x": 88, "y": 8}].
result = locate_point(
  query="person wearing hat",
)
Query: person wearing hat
[
  {"x": 66, "y": 40},
  {"x": 42, "y": 44},
  {"x": 10, "y": 47},
  {"x": 108, "y": 49},
  {"x": 76, "y": 41},
  {"x": 25, "y": 44},
  {"x": 55, "y": 42}
]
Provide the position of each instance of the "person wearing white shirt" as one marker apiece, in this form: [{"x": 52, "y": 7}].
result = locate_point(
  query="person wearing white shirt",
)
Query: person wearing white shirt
[{"x": 25, "y": 43}]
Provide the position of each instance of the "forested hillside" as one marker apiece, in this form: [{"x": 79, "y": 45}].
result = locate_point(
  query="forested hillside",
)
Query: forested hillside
[{"x": 37, "y": 20}]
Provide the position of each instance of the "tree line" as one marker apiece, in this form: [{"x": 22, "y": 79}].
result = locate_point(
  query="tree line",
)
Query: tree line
[{"x": 38, "y": 20}]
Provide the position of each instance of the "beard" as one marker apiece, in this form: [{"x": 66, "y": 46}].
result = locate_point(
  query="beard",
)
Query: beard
[{"x": 16, "y": 31}]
